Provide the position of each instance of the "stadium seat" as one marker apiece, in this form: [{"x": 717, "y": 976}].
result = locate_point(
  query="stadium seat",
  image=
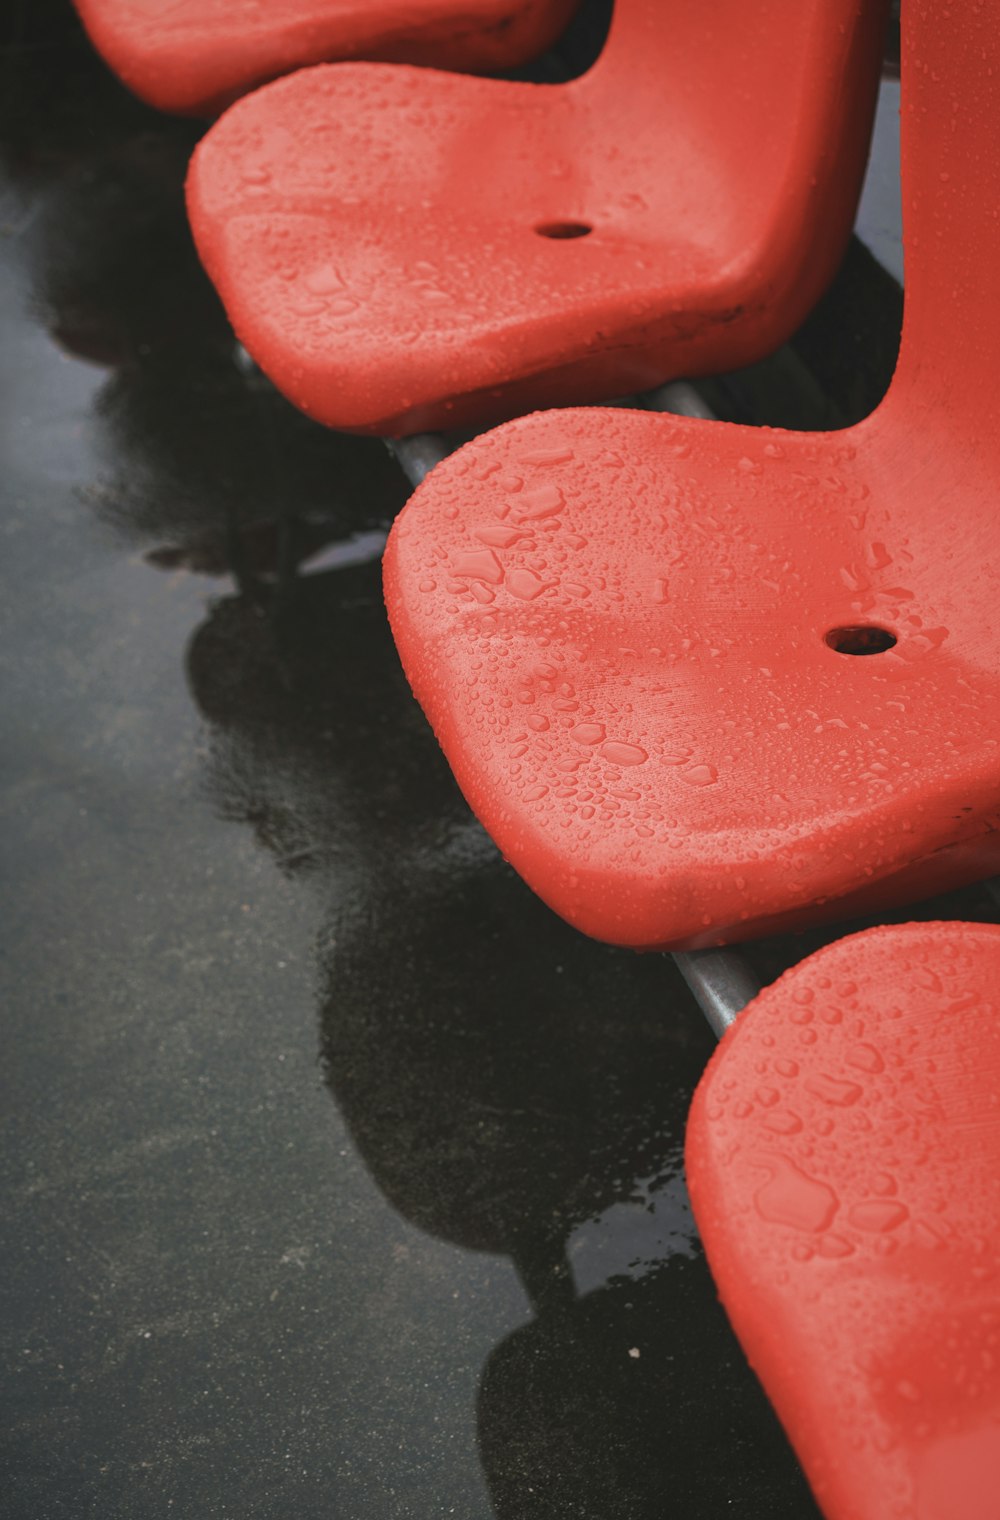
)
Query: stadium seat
[
  {"x": 843, "y": 1159},
  {"x": 400, "y": 250}
]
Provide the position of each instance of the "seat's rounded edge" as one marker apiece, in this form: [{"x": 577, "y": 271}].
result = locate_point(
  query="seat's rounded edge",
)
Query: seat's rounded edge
[
  {"x": 620, "y": 911},
  {"x": 202, "y": 66},
  {"x": 196, "y": 68},
  {"x": 303, "y": 377},
  {"x": 154, "y": 71},
  {"x": 842, "y": 1155}
]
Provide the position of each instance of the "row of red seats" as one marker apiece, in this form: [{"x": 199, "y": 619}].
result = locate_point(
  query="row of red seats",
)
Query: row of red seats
[
  {"x": 402, "y": 250},
  {"x": 700, "y": 682}
]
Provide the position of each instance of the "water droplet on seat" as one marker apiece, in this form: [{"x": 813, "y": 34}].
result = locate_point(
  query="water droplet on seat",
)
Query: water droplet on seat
[{"x": 792, "y": 1197}]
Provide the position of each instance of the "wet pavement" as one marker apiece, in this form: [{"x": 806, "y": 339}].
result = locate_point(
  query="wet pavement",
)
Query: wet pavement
[{"x": 340, "y": 1178}]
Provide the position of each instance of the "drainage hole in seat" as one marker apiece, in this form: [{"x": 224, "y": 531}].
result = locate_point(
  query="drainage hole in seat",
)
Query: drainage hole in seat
[
  {"x": 861, "y": 638},
  {"x": 564, "y": 230}
]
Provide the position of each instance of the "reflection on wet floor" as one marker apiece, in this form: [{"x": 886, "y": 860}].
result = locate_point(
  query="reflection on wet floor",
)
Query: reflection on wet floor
[
  {"x": 343, "y": 1178},
  {"x": 622, "y": 1413},
  {"x": 509, "y": 1090},
  {"x": 195, "y": 449}
]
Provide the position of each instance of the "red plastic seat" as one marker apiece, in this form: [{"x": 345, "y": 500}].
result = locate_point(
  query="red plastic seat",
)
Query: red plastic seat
[
  {"x": 195, "y": 56},
  {"x": 843, "y": 1157},
  {"x": 638, "y": 638},
  {"x": 399, "y": 250}
]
